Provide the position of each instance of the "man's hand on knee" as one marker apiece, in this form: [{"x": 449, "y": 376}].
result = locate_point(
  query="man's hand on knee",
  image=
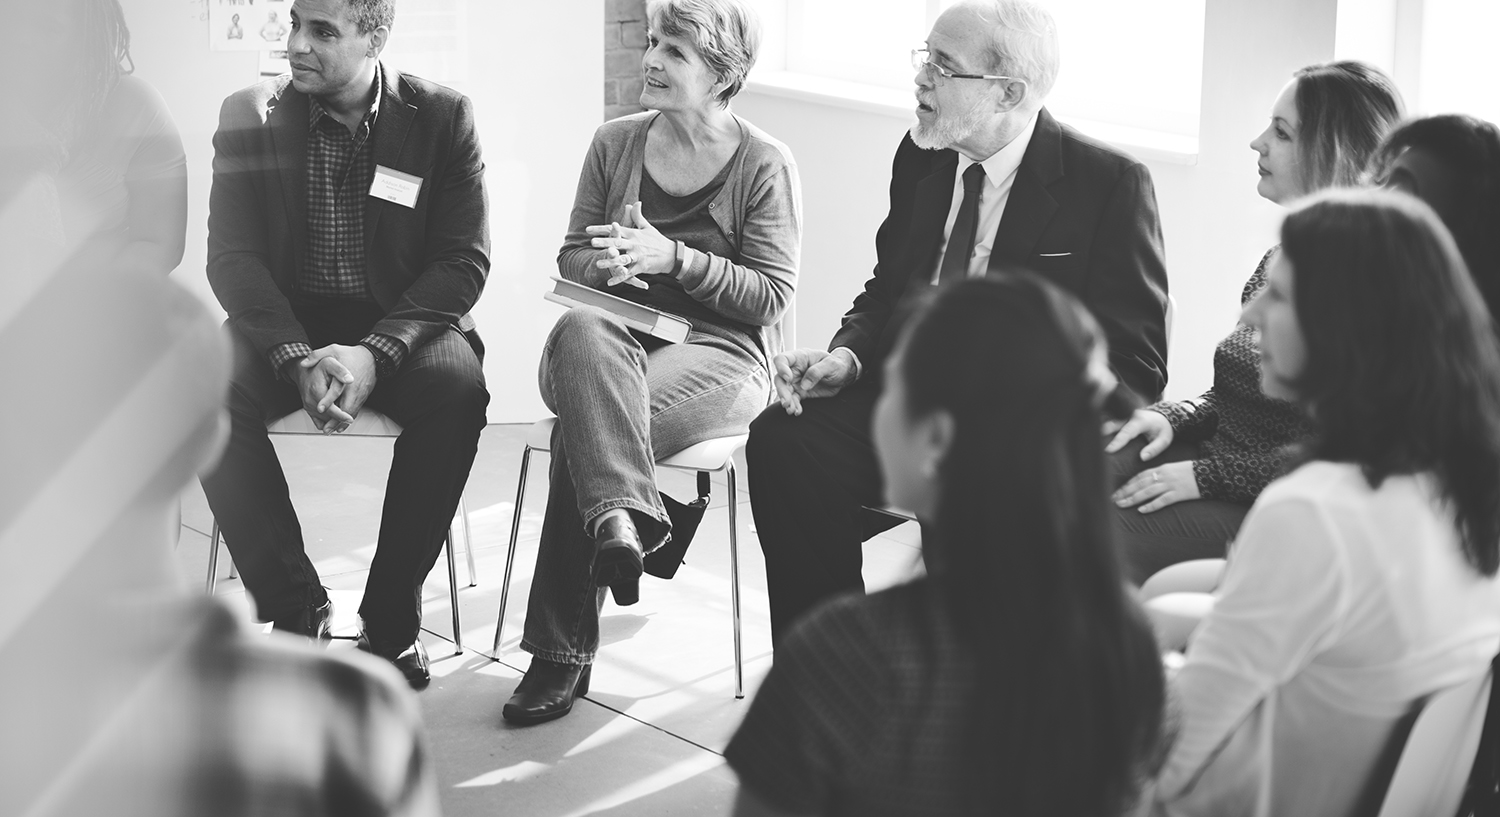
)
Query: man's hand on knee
[
  {"x": 320, "y": 383},
  {"x": 356, "y": 368},
  {"x": 810, "y": 373}
]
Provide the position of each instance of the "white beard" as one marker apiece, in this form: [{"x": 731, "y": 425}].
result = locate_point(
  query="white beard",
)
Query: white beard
[{"x": 947, "y": 131}]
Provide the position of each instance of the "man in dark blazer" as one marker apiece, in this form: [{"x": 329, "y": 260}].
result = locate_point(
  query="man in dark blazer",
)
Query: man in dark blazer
[
  {"x": 348, "y": 240},
  {"x": 986, "y": 182}
]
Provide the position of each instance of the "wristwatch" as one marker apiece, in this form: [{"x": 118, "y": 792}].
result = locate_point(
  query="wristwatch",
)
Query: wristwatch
[
  {"x": 384, "y": 366},
  {"x": 684, "y": 257}
]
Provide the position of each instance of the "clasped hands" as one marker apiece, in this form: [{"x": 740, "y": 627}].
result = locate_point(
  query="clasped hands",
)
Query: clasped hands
[
  {"x": 634, "y": 248},
  {"x": 1153, "y": 488},
  {"x": 334, "y": 383},
  {"x": 807, "y": 373}
]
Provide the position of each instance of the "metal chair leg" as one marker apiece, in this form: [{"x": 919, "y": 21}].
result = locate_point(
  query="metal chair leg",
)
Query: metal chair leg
[
  {"x": 510, "y": 553},
  {"x": 458, "y": 631},
  {"x": 213, "y": 559},
  {"x": 734, "y": 581},
  {"x": 468, "y": 543},
  {"x": 234, "y": 570}
]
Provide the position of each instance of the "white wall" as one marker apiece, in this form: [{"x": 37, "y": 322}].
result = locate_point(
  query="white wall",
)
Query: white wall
[
  {"x": 538, "y": 97},
  {"x": 1215, "y": 226},
  {"x": 538, "y": 104}
]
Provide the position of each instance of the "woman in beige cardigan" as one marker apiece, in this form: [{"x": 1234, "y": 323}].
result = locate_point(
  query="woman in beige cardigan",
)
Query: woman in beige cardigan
[{"x": 689, "y": 209}]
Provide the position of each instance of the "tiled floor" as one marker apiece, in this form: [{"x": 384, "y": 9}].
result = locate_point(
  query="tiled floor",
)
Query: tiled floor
[{"x": 647, "y": 739}]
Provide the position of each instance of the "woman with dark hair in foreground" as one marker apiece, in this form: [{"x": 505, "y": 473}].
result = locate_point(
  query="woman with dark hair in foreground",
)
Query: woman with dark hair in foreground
[
  {"x": 1364, "y": 580},
  {"x": 1018, "y": 677},
  {"x": 1452, "y": 162}
]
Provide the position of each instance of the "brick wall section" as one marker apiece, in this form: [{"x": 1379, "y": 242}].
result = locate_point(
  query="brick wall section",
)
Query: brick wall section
[{"x": 624, "y": 44}]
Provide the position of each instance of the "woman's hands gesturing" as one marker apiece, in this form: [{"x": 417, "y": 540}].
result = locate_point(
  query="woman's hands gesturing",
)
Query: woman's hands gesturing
[{"x": 635, "y": 248}]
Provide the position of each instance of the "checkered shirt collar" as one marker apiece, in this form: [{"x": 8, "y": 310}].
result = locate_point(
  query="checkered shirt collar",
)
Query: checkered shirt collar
[{"x": 316, "y": 111}]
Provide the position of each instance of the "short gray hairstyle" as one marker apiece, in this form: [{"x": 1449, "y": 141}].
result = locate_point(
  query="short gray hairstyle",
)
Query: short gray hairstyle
[
  {"x": 726, "y": 33},
  {"x": 1024, "y": 45}
]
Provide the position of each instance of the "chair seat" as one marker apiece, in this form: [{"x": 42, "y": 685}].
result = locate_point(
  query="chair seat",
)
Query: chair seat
[
  {"x": 709, "y": 455},
  {"x": 892, "y": 510},
  {"x": 369, "y": 423}
]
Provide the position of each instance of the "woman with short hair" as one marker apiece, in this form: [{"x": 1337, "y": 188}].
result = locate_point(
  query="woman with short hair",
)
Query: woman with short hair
[
  {"x": 1365, "y": 579},
  {"x": 1193, "y": 467},
  {"x": 1019, "y": 676},
  {"x": 689, "y": 209}
]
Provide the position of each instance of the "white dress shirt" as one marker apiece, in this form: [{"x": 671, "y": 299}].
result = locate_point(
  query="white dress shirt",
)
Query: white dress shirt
[
  {"x": 999, "y": 176},
  {"x": 1342, "y": 606}
]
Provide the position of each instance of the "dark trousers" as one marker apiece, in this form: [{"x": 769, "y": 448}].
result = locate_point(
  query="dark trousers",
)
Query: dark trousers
[
  {"x": 810, "y": 476},
  {"x": 1180, "y": 532},
  {"x": 439, "y": 398}
]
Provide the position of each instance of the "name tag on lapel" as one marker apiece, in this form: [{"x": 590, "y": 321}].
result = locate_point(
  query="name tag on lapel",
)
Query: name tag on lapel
[{"x": 395, "y": 186}]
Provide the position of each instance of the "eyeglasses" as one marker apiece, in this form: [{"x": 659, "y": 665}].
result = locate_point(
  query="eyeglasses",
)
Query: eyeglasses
[{"x": 921, "y": 59}]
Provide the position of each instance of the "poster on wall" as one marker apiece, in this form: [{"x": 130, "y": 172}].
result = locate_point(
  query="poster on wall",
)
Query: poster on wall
[
  {"x": 249, "y": 25},
  {"x": 274, "y": 64}
]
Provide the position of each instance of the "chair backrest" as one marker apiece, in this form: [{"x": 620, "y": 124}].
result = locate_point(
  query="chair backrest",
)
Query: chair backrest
[
  {"x": 369, "y": 423},
  {"x": 1434, "y": 765}
]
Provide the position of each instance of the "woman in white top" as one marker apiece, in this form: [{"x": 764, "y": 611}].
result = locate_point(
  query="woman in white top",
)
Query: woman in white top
[{"x": 1364, "y": 580}]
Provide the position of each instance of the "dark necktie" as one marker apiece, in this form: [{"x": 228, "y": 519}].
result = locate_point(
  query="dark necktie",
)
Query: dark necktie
[{"x": 961, "y": 240}]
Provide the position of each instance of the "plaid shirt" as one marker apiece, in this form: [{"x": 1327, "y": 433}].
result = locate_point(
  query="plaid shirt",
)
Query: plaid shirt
[
  {"x": 340, "y": 170},
  {"x": 229, "y": 723}
]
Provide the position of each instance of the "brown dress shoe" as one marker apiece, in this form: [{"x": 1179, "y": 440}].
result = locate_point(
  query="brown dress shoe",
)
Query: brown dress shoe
[
  {"x": 411, "y": 660},
  {"x": 309, "y": 621},
  {"x": 546, "y": 692}
]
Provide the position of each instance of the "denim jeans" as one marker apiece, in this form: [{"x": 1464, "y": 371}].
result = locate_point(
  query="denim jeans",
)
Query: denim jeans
[
  {"x": 622, "y": 402},
  {"x": 1180, "y": 532}
]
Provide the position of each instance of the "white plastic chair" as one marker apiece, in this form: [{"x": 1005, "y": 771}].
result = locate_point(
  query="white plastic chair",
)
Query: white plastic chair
[
  {"x": 1439, "y": 752},
  {"x": 708, "y": 456},
  {"x": 369, "y": 423},
  {"x": 1195, "y": 576}
]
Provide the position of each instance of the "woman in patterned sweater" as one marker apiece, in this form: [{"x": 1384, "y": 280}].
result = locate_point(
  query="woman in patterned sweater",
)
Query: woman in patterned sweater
[{"x": 1192, "y": 468}]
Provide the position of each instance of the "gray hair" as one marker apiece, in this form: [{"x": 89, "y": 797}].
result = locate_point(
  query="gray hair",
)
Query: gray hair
[
  {"x": 1024, "y": 45},
  {"x": 726, "y": 33},
  {"x": 372, "y": 14}
]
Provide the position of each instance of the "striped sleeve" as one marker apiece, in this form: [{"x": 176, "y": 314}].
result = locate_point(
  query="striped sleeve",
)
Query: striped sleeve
[{"x": 815, "y": 713}]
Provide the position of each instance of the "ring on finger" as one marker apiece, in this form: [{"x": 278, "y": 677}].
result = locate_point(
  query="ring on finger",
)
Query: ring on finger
[{"x": 1156, "y": 476}]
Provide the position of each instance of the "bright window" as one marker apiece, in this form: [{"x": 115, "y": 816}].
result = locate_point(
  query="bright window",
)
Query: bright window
[
  {"x": 1135, "y": 64},
  {"x": 1458, "y": 58}
]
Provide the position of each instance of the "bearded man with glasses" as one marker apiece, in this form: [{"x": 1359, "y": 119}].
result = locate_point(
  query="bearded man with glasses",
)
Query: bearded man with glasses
[{"x": 986, "y": 182}]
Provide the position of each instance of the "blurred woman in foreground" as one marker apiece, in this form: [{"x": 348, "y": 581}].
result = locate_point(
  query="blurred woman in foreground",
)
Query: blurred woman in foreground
[
  {"x": 1364, "y": 580},
  {"x": 1018, "y": 677}
]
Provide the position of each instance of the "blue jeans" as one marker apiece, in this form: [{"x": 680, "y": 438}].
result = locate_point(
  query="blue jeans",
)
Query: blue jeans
[{"x": 622, "y": 402}]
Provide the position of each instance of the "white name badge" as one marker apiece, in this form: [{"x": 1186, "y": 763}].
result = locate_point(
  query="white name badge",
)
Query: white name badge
[{"x": 395, "y": 186}]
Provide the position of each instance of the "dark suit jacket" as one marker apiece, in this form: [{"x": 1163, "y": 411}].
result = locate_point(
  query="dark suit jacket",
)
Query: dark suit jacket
[
  {"x": 1071, "y": 195},
  {"x": 426, "y": 265}
]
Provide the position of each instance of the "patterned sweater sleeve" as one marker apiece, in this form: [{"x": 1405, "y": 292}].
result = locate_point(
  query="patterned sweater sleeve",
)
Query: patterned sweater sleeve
[
  {"x": 1237, "y": 477},
  {"x": 1246, "y": 432},
  {"x": 1192, "y": 420}
]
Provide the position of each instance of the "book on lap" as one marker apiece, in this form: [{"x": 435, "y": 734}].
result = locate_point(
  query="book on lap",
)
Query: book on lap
[{"x": 639, "y": 317}]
